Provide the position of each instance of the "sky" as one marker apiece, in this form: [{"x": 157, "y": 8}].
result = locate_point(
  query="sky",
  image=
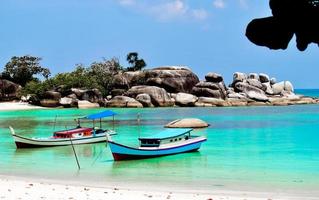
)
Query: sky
[{"x": 205, "y": 35}]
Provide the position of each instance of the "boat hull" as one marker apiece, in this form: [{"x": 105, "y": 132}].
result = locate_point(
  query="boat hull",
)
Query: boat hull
[
  {"x": 122, "y": 152},
  {"x": 23, "y": 142}
]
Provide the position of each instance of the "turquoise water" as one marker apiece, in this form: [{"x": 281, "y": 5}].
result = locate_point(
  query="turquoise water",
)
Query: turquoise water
[
  {"x": 308, "y": 92},
  {"x": 255, "y": 147}
]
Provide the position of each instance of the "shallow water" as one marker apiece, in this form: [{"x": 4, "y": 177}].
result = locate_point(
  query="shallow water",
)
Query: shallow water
[{"x": 268, "y": 147}]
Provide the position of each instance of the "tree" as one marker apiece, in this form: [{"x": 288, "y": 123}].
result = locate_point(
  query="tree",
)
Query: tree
[
  {"x": 22, "y": 69},
  {"x": 104, "y": 72},
  {"x": 136, "y": 64}
]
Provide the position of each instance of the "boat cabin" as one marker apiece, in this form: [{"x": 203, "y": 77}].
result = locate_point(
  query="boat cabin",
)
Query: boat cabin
[
  {"x": 72, "y": 133},
  {"x": 165, "y": 137}
]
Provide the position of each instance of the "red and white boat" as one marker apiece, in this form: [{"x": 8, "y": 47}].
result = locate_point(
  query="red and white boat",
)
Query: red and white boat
[{"x": 74, "y": 136}]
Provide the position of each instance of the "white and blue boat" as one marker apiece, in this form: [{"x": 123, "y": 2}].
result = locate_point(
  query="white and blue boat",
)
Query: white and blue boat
[{"x": 167, "y": 142}]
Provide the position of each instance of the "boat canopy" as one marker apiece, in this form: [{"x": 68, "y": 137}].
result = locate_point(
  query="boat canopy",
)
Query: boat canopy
[
  {"x": 167, "y": 133},
  {"x": 107, "y": 113},
  {"x": 74, "y": 131}
]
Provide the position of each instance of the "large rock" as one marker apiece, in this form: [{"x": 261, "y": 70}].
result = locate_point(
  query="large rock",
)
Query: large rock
[
  {"x": 49, "y": 102},
  {"x": 8, "y": 90},
  {"x": 184, "y": 99},
  {"x": 251, "y": 91},
  {"x": 187, "y": 123},
  {"x": 206, "y": 92},
  {"x": 289, "y": 87},
  {"x": 52, "y": 95},
  {"x": 92, "y": 95},
  {"x": 256, "y": 83},
  {"x": 204, "y": 101},
  {"x": 123, "y": 101},
  {"x": 213, "y": 77},
  {"x": 268, "y": 88},
  {"x": 239, "y": 77},
  {"x": 237, "y": 102},
  {"x": 210, "y": 85},
  {"x": 86, "y": 104},
  {"x": 264, "y": 78},
  {"x": 253, "y": 76},
  {"x": 172, "y": 79},
  {"x": 119, "y": 81},
  {"x": 159, "y": 96},
  {"x": 68, "y": 102},
  {"x": 145, "y": 100},
  {"x": 279, "y": 88}
]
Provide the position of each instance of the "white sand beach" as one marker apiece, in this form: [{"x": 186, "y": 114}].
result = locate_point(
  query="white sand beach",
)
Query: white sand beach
[
  {"x": 27, "y": 188},
  {"x": 18, "y": 106}
]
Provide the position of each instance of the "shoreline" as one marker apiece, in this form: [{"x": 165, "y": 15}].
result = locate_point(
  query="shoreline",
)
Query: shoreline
[
  {"x": 13, "y": 105},
  {"x": 8, "y": 106},
  {"x": 15, "y": 187}
]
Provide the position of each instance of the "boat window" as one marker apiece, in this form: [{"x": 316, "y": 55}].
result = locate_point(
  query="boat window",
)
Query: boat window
[
  {"x": 175, "y": 139},
  {"x": 186, "y": 137},
  {"x": 179, "y": 138},
  {"x": 171, "y": 140}
]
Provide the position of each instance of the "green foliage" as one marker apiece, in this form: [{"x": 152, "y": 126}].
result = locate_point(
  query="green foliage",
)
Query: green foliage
[
  {"x": 98, "y": 75},
  {"x": 136, "y": 63},
  {"x": 36, "y": 88},
  {"x": 23, "y": 69},
  {"x": 104, "y": 72}
]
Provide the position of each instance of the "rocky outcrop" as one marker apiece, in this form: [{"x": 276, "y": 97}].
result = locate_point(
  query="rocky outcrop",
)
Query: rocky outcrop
[
  {"x": 8, "y": 90},
  {"x": 49, "y": 103},
  {"x": 159, "y": 96},
  {"x": 172, "y": 79},
  {"x": 213, "y": 86},
  {"x": 68, "y": 102},
  {"x": 184, "y": 99},
  {"x": 123, "y": 101},
  {"x": 83, "y": 104},
  {"x": 145, "y": 100},
  {"x": 170, "y": 86},
  {"x": 187, "y": 123}
]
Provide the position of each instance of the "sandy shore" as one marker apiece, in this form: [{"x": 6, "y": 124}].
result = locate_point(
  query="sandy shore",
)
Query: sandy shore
[
  {"x": 17, "y": 106},
  {"x": 26, "y": 188}
]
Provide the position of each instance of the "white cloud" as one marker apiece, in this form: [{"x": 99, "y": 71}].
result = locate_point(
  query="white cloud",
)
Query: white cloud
[
  {"x": 200, "y": 14},
  {"x": 243, "y": 4},
  {"x": 219, "y": 4},
  {"x": 169, "y": 10},
  {"x": 166, "y": 10},
  {"x": 126, "y": 2}
]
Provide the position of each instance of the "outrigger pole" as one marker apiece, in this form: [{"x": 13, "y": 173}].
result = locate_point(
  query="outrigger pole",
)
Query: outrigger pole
[{"x": 76, "y": 157}]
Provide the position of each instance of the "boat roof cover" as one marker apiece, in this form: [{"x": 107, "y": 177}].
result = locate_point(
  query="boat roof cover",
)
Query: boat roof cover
[
  {"x": 73, "y": 131},
  {"x": 100, "y": 115},
  {"x": 167, "y": 133}
]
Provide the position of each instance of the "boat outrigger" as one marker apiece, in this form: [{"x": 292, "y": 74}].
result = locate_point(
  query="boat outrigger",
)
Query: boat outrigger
[
  {"x": 78, "y": 135},
  {"x": 168, "y": 142}
]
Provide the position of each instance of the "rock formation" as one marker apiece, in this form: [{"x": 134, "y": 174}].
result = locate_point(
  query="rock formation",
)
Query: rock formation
[{"x": 178, "y": 86}]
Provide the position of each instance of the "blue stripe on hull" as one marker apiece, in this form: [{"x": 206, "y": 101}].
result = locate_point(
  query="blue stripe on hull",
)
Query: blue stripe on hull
[{"x": 121, "y": 151}]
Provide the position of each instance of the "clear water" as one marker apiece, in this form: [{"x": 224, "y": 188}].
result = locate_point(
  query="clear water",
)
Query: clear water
[
  {"x": 308, "y": 92},
  {"x": 269, "y": 148}
]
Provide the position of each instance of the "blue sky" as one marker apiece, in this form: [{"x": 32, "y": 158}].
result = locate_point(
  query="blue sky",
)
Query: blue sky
[{"x": 206, "y": 35}]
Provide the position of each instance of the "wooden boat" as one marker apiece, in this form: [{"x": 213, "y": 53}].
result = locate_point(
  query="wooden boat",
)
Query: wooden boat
[
  {"x": 168, "y": 142},
  {"x": 78, "y": 135}
]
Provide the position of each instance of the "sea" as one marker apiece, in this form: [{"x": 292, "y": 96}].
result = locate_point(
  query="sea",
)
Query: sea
[{"x": 248, "y": 148}]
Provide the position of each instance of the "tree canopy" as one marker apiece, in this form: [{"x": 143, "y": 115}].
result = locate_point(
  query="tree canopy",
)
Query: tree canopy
[
  {"x": 23, "y": 69},
  {"x": 298, "y": 17},
  {"x": 136, "y": 63}
]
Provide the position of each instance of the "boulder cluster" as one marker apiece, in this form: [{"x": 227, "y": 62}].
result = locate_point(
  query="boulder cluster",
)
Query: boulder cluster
[{"x": 179, "y": 86}]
